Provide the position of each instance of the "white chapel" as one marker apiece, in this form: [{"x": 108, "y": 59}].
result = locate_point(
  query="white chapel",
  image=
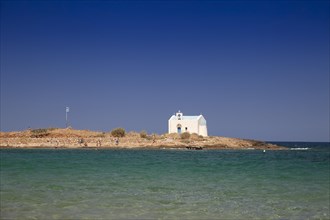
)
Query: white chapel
[{"x": 180, "y": 123}]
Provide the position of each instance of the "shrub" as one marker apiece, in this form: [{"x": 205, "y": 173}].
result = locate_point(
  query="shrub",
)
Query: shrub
[
  {"x": 173, "y": 136},
  {"x": 118, "y": 132},
  {"x": 51, "y": 129},
  {"x": 143, "y": 134},
  {"x": 185, "y": 135},
  {"x": 101, "y": 135},
  {"x": 196, "y": 137},
  {"x": 39, "y": 133}
]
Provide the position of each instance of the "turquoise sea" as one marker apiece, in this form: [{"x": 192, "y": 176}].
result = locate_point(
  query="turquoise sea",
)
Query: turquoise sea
[{"x": 166, "y": 184}]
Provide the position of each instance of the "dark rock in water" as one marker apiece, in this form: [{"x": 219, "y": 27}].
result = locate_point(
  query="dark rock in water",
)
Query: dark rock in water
[{"x": 194, "y": 148}]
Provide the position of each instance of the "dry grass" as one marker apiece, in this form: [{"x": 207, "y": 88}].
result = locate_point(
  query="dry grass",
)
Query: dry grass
[{"x": 69, "y": 137}]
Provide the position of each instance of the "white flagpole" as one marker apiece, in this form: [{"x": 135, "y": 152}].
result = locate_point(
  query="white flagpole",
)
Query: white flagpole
[{"x": 67, "y": 109}]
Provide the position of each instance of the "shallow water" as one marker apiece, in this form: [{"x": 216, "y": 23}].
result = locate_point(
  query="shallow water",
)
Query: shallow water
[{"x": 165, "y": 184}]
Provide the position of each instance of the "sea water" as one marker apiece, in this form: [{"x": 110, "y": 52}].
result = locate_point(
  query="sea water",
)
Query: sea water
[{"x": 166, "y": 184}]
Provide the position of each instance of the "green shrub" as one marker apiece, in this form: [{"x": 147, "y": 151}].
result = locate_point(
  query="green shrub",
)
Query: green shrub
[
  {"x": 118, "y": 132},
  {"x": 39, "y": 133},
  {"x": 143, "y": 134},
  {"x": 185, "y": 135}
]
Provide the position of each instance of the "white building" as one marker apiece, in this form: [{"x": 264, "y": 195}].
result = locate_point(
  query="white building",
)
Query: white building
[{"x": 180, "y": 123}]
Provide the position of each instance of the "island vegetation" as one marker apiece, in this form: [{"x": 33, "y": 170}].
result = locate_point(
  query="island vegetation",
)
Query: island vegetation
[{"x": 119, "y": 138}]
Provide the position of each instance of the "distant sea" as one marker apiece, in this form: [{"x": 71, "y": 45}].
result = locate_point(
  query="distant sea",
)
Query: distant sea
[{"x": 166, "y": 184}]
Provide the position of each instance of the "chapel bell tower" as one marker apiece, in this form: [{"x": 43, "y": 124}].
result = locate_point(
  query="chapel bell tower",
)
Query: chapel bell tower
[{"x": 179, "y": 115}]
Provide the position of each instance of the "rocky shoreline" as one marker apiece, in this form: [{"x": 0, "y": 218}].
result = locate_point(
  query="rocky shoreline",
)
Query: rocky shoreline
[{"x": 70, "y": 138}]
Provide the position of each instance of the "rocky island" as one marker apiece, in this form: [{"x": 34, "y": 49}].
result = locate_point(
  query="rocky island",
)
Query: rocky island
[{"x": 118, "y": 138}]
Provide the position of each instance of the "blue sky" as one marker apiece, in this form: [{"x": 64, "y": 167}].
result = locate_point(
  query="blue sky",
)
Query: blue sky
[{"x": 254, "y": 69}]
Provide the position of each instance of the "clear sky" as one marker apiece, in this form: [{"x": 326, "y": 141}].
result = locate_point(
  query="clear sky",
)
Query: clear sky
[{"x": 254, "y": 69}]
